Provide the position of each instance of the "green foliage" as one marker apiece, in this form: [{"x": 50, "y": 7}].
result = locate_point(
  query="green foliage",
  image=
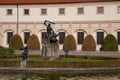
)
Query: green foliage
[
  {"x": 89, "y": 44},
  {"x": 4, "y": 63},
  {"x": 6, "y": 51},
  {"x": 110, "y": 43},
  {"x": 62, "y": 63},
  {"x": 70, "y": 42},
  {"x": 73, "y": 64},
  {"x": 16, "y": 42},
  {"x": 33, "y": 42}
]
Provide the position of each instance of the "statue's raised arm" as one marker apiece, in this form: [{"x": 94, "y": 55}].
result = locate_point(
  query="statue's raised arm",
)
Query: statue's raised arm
[{"x": 46, "y": 22}]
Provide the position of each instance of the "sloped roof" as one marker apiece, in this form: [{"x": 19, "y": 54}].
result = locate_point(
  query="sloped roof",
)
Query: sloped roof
[{"x": 48, "y": 1}]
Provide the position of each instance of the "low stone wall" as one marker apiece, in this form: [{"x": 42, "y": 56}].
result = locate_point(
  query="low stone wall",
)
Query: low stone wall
[
  {"x": 30, "y": 52},
  {"x": 96, "y": 53},
  {"x": 75, "y": 53}
]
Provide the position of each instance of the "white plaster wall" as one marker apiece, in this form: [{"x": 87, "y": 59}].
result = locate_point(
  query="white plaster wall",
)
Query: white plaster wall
[
  {"x": 90, "y": 12},
  {"x": 8, "y": 18}
]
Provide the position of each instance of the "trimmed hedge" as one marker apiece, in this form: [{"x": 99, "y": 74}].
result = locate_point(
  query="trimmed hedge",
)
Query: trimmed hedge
[
  {"x": 89, "y": 44},
  {"x": 58, "y": 64},
  {"x": 70, "y": 42},
  {"x": 6, "y": 51},
  {"x": 33, "y": 42},
  {"x": 16, "y": 42},
  {"x": 110, "y": 43},
  {"x": 9, "y": 63}
]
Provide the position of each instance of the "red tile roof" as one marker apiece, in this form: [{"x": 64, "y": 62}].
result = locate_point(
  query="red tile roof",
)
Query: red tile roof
[{"x": 48, "y": 1}]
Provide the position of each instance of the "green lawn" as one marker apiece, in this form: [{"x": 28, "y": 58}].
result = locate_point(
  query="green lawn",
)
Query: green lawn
[{"x": 69, "y": 59}]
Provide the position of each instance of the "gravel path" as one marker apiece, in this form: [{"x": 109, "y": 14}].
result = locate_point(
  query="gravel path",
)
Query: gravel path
[{"x": 22, "y": 77}]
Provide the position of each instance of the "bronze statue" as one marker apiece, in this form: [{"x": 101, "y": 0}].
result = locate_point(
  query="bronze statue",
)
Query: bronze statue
[{"x": 51, "y": 35}]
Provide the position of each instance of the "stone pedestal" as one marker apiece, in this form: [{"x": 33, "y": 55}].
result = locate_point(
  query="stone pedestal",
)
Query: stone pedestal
[
  {"x": 50, "y": 51},
  {"x": 23, "y": 63}
]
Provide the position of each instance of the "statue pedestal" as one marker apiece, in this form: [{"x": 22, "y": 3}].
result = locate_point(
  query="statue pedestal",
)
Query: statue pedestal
[
  {"x": 50, "y": 51},
  {"x": 23, "y": 63}
]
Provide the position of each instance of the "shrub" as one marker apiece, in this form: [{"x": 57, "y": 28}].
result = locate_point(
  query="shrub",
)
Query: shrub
[
  {"x": 5, "y": 63},
  {"x": 70, "y": 42},
  {"x": 89, "y": 44},
  {"x": 73, "y": 64},
  {"x": 6, "y": 51},
  {"x": 16, "y": 42},
  {"x": 110, "y": 43},
  {"x": 33, "y": 42}
]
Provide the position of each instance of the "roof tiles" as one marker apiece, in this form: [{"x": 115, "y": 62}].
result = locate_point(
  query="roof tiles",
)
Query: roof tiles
[{"x": 48, "y": 1}]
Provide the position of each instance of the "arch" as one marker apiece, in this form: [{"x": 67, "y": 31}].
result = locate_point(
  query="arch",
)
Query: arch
[
  {"x": 42, "y": 30},
  {"x": 9, "y": 30},
  {"x": 5, "y": 37},
  {"x": 100, "y": 30},
  {"x": 117, "y": 30},
  {"x": 117, "y": 34},
  {"x": 62, "y": 34},
  {"x": 22, "y": 35},
  {"x": 98, "y": 39},
  {"x": 80, "y": 30},
  {"x": 62, "y": 30},
  {"x": 39, "y": 34},
  {"x": 26, "y": 30},
  {"x": 76, "y": 33}
]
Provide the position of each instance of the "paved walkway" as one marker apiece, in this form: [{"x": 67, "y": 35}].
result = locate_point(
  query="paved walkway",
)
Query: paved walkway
[{"x": 60, "y": 70}]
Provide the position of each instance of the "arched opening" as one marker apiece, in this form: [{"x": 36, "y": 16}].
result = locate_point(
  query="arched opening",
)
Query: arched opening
[
  {"x": 25, "y": 35},
  {"x": 62, "y": 34},
  {"x": 42, "y": 35},
  {"x": 99, "y": 36},
  {"x": 80, "y": 34},
  {"x": 117, "y": 34},
  {"x": 7, "y": 35}
]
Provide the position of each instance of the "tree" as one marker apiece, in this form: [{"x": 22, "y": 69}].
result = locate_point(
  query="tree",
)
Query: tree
[
  {"x": 89, "y": 44},
  {"x": 110, "y": 43},
  {"x": 70, "y": 42},
  {"x": 33, "y": 42},
  {"x": 16, "y": 42}
]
